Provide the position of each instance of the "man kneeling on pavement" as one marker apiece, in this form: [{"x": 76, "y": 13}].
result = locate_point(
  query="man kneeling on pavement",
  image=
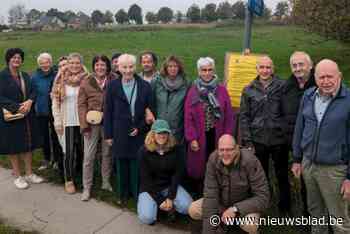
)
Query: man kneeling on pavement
[{"x": 235, "y": 186}]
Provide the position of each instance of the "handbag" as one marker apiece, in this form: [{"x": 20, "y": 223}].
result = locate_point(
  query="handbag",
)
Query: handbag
[
  {"x": 94, "y": 117},
  {"x": 8, "y": 115}
]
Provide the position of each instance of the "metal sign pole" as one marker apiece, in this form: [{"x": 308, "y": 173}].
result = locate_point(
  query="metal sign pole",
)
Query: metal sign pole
[{"x": 248, "y": 29}]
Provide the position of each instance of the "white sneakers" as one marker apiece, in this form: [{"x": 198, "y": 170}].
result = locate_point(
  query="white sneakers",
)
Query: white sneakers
[
  {"x": 107, "y": 186},
  {"x": 23, "y": 182},
  {"x": 86, "y": 195}
]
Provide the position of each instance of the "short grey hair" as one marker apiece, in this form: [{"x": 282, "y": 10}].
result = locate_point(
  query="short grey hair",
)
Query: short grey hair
[
  {"x": 205, "y": 62},
  {"x": 127, "y": 58},
  {"x": 44, "y": 56},
  {"x": 306, "y": 55},
  {"x": 75, "y": 55}
]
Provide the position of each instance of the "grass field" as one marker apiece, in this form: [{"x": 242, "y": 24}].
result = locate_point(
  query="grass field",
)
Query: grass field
[{"x": 187, "y": 43}]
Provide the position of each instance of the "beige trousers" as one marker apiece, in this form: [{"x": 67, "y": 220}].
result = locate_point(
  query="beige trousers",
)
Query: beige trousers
[{"x": 90, "y": 149}]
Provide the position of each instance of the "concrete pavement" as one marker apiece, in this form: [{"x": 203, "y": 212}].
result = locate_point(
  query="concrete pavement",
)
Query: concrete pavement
[{"x": 48, "y": 209}]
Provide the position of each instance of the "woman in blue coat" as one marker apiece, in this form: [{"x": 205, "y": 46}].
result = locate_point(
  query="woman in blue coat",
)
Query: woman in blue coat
[
  {"x": 124, "y": 123},
  {"x": 19, "y": 137}
]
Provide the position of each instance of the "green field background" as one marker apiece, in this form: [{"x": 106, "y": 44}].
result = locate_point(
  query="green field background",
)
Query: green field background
[{"x": 187, "y": 43}]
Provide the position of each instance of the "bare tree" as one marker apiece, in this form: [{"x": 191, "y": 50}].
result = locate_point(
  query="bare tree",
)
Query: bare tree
[{"x": 17, "y": 13}]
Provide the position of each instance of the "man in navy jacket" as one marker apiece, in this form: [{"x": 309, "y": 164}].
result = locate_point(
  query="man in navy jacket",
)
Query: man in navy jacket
[{"x": 321, "y": 147}]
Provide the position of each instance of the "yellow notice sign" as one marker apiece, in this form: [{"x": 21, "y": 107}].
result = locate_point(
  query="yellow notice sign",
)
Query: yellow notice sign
[{"x": 240, "y": 70}]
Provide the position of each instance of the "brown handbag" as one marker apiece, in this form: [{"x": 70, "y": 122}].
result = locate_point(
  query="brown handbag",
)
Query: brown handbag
[{"x": 8, "y": 116}]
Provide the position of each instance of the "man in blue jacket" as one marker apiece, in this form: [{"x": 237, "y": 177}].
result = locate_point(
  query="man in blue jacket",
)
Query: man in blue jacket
[{"x": 321, "y": 147}]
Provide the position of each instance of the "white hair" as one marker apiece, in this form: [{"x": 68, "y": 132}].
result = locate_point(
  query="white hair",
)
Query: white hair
[
  {"x": 205, "y": 62},
  {"x": 127, "y": 58},
  {"x": 307, "y": 57},
  {"x": 44, "y": 56}
]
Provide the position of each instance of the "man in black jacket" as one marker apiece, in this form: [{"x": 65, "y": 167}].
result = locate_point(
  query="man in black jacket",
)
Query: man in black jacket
[
  {"x": 261, "y": 123},
  {"x": 301, "y": 79}
]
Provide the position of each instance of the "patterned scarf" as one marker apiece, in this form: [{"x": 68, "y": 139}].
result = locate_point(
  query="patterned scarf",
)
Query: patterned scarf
[
  {"x": 207, "y": 94},
  {"x": 67, "y": 78}
]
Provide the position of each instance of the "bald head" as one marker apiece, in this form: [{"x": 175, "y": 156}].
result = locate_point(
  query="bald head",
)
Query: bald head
[
  {"x": 226, "y": 139},
  {"x": 328, "y": 77},
  {"x": 228, "y": 150}
]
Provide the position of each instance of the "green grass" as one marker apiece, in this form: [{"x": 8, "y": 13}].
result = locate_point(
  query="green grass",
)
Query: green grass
[
  {"x": 187, "y": 43},
  {"x": 9, "y": 229}
]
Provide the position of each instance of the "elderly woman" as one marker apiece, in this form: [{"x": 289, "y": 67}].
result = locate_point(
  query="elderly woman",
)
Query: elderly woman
[
  {"x": 66, "y": 117},
  {"x": 42, "y": 80},
  {"x": 19, "y": 133},
  {"x": 90, "y": 107},
  {"x": 161, "y": 169},
  {"x": 208, "y": 116},
  {"x": 169, "y": 91},
  {"x": 124, "y": 123}
]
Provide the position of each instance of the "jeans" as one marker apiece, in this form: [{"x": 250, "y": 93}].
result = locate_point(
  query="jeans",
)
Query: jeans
[{"x": 147, "y": 207}]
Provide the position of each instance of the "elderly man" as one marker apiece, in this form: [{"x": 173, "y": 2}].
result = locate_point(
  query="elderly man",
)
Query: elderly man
[
  {"x": 261, "y": 125},
  {"x": 321, "y": 147},
  {"x": 148, "y": 62},
  {"x": 301, "y": 79},
  {"x": 235, "y": 186}
]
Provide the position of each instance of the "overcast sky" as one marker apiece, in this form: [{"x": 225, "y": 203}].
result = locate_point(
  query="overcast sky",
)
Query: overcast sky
[{"x": 88, "y": 6}]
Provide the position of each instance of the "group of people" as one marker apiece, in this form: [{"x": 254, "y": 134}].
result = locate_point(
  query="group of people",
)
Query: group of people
[{"x": 170, "y": 140}]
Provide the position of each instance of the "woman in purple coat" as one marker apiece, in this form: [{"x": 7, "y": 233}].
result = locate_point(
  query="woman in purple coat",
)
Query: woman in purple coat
[{"x": 208, "y": 115}]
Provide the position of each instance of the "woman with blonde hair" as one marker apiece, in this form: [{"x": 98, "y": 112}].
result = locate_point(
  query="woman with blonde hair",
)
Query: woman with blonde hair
[
  {"x": 66, "y": 118},
  {"x": 161, "y": 169}
]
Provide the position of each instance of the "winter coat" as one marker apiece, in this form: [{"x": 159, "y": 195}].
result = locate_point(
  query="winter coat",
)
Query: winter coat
[
  {"x": 261, "y": 118},
  {"x": 42, "y": 84},
  {"x": 243, "y": 185},
  {"x": 169, "y": 105},
  {"x": 22, "y": 135},
  {"x": 118, "y": 119},
  {"x": 90, "y": 98},
  {"x": 195, "y": 127},
  {"x": 291, "y": 97}
]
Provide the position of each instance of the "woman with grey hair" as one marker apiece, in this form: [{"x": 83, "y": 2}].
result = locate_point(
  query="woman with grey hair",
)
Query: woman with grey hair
[
  {"x": 125, "y": 128},
  {"x": 66, "y": 117},
  {"x": 208, "y": 116},
  {"x": 42, "y": 80}
]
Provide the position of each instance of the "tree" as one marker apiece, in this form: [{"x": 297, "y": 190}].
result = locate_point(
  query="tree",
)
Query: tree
[
  {"x": 282, "y": 10},
  {"x": 151, "y": 18},
  {"x": 266, "y": 13},
  {"x": 179, "y": 16},
  {"x": 238, "y": 10},
  {"x": 135, "y": 14},
  {"x": 53, "y": 12},
  {"x": 97, "y": 17},
  {"x": 108, "y": 17},
  {"x": 68, "y": 15},
  {"x": 209, "y": 12},
  {"x": 224, "y": 11},
  {"x": 17, "y": 13},
  {"x": 194, "y": 13},
  {"x": 33, "y": 15},
  {"x": 165, "y": 14},
  {"x": 121, "y": 17}
]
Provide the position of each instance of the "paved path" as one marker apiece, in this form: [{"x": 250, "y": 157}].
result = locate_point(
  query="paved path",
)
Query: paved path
[{"x": 47, "y": 209}]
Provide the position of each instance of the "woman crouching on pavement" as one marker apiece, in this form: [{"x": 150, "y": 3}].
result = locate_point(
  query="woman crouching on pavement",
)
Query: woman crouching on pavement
[{"x": 161, "y": 169}]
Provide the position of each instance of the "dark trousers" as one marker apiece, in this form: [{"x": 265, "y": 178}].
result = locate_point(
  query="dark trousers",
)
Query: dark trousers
[
  {"x": 73, "y": 152},
  {"x": 47, "y": 131},
  {"x": 279, "y": 155},
  {"x": 127, "y": 178}
]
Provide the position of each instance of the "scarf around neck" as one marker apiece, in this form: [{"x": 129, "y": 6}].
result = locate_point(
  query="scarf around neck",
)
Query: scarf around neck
[
  {"x": 173, "y": 84},
  {"x": 207, "y": 91}
]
